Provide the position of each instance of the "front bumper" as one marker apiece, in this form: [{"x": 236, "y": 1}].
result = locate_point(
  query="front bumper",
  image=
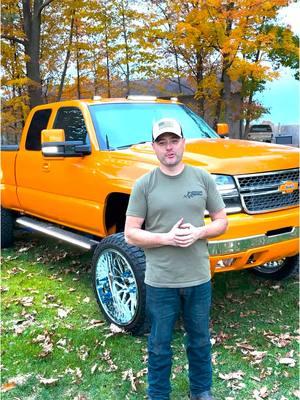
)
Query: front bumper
[
  {"x": 224, "y": 247},
  {"x": 253, "y": 240}
]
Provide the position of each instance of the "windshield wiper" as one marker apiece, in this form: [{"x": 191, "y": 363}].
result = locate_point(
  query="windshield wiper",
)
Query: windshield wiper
[
  {"x": 133, "y": 144},
  {"x": 107, "y": 144}
]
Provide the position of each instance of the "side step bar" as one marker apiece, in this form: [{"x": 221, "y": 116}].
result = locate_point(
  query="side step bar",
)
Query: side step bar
[{"x": 52, "y": 230}]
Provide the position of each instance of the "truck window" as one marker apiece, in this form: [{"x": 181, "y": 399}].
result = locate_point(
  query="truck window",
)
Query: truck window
[
  {"x": 38, "y": 123},
  {"x": 71, "y": 120}
]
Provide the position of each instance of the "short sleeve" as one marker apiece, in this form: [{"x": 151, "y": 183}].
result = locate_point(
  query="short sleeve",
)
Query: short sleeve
[
  {"x": 214, "y": 202},
  {"x": 137, "y": 206}
]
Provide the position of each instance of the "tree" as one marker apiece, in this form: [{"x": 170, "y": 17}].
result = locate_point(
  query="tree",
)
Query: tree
[{"x": 31, "y": 15}]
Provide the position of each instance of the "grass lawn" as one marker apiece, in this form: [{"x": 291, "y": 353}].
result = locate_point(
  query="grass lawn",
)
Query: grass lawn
[{"x": 56, "y": 345}]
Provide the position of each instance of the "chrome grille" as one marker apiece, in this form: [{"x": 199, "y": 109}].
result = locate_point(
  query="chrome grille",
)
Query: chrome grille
[{"x": 260, "y": 192}]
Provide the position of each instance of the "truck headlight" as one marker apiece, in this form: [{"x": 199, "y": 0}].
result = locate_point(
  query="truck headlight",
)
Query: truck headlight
[{"x": 228, "y": 190}]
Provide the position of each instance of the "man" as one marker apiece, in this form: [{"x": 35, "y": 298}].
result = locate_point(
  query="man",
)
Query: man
[{"x": 171, "y": 201}]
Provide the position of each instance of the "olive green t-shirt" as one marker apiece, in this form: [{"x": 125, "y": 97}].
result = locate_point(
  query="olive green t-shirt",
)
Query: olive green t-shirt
[{"x": 162, "y": 200}]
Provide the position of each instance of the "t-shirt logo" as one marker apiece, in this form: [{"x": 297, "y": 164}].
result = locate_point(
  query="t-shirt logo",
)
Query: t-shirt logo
[{"x": 192, "y": 194}]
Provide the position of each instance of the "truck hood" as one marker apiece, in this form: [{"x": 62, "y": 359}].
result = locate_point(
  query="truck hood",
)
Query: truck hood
[{"x": 231, "y": 157}]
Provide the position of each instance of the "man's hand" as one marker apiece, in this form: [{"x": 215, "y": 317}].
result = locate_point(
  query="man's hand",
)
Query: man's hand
[
  {"x": 183, "y": 235},
  {"x": 187, "y": 234}
]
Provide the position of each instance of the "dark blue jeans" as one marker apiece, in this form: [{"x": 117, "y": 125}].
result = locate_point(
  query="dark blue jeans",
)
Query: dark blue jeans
[{"x": 163, "y": 307}]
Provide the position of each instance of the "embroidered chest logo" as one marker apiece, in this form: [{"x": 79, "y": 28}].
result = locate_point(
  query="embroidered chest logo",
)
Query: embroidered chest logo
[{"x": 192, "y": 194}]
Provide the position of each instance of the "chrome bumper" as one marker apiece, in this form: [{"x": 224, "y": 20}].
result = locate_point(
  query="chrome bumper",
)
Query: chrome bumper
[{"x": 223, "y": 247}]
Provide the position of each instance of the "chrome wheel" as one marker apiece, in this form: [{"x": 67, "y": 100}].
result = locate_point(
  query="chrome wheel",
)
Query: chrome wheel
[
  {"x": 279, "y": 269},
  {"x": 271, "y": 267},
  {"x": 116, "y": 286}
]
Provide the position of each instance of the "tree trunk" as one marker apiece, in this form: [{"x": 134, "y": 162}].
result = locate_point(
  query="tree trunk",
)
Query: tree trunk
[
  {"x": 32, "y": 28},
  {"x": 62, "y": 81},
  {"x": 77, "y": 65},
  {"x": 126, "y": 52},
  {"x": 228, "y": 117},
  {"x": 107, "y": 63},
  {"x": 199, "y": 79},
  {"x": 178, "y": 71}
]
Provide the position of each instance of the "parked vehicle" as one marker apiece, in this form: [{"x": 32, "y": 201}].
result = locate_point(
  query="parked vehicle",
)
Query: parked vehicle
[
  {"x": 261, "y": 132},
  {"x": 72, "y": 173}
]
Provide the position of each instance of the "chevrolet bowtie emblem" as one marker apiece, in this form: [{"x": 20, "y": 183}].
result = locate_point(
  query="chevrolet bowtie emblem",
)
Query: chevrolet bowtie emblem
[{"x": 288, "y": 187}]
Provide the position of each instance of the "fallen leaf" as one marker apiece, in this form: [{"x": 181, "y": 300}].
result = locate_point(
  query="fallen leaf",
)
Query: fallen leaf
[
  {"x": 26, "y": 301},
  {"x": 115, "y": 330},
  {"x": 86, "y": 300},
  {"x": 48, "y": 382},
  {"x": 232, "y": 375},
  {"x": 94, "y": 367},
  {"x": 129, "y": 376},
  {"x": 63, "y": 313},
  {"x": 94, "y": 323},
  {"x": 296, "y": 393},
  {"x": 6, "y": 387},
  {"x": 291, "y": 362},
  {"x": 23, "y": 249}
]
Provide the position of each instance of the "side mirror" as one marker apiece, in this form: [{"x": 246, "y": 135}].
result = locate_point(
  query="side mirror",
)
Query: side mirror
[
  {"x": 53, "y": 135},
  {"x": 54, "y": 145},
  {"x": 222, "y": 130}
]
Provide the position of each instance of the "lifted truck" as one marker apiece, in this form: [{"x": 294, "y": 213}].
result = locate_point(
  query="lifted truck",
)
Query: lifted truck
[{"x": 72, "y": 173}]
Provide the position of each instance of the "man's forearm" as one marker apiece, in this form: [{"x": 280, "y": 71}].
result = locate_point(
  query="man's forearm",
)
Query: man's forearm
[
  {"x": 213, "y": 229},
  {"x": 141, "y": 238}
]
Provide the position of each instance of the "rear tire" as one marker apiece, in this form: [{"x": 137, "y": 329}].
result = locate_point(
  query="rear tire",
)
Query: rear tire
[
  {"x": 118, "y": 280},
  {"x": 7, "y": 228},
  {"x": 278, "y": 270}
]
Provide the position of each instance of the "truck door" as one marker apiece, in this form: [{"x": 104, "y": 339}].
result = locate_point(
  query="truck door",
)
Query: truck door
[
  {"x": 66, "y": 187},
  {"x": 30, "y": 169}
]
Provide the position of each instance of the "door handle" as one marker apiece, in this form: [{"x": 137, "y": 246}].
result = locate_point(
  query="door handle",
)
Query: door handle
[{"x": 46, "y": 167}]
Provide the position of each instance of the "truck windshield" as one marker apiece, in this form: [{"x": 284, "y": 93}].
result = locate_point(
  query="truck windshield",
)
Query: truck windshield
[{"x": 120, "y": 125}]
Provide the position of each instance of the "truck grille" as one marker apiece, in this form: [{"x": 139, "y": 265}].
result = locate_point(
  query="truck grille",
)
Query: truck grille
[{"x": 264, "y": 192}]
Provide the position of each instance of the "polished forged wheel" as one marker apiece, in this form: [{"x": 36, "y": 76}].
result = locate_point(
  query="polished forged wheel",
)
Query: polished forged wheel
[
  {"x": 118, "y": 273},
  {"x": 279, "y": 269}
]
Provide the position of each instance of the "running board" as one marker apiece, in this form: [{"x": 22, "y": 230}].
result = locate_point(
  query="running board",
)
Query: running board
[{"x": 52, "y": 230}]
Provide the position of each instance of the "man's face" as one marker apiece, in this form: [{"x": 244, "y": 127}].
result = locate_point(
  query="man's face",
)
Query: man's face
[{"x": 169, "y": 149}]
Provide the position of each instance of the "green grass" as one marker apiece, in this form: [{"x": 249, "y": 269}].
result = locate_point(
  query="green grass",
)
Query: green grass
[{"x": 48, "y": 309}]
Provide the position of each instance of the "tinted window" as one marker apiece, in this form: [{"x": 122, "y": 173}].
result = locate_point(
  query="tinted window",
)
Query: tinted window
[
  {"x": 38, "y": 123},
  {"x": 71, "y": 120}
]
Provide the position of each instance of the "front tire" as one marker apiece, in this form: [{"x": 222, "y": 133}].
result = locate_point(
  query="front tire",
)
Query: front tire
[
  {"x": 118, "y": 280},
  {"x": 7, "y": 228},
  {"x": 279, "y": 269}
]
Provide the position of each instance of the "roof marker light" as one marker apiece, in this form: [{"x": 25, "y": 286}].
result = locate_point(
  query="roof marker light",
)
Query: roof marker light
[{"x": 141, "y": 98}]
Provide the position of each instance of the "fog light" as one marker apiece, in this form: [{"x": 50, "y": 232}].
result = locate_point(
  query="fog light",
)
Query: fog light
[{"x": 227, "y": 262}]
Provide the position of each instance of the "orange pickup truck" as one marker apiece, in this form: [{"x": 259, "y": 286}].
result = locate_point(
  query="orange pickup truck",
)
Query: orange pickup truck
[{"x": 72, "y": 173}]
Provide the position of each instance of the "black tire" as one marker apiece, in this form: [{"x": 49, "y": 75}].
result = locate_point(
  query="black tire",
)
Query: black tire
[
  {"x": 118, "y": 281},
  {"x": 7, "y": 228},
  {"x": 278, "y": 270}
]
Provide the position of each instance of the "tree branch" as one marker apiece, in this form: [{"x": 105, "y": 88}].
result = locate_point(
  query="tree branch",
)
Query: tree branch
[
  {"x": 45, "y": 4},
  {"x": 14, "y": 39}
]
